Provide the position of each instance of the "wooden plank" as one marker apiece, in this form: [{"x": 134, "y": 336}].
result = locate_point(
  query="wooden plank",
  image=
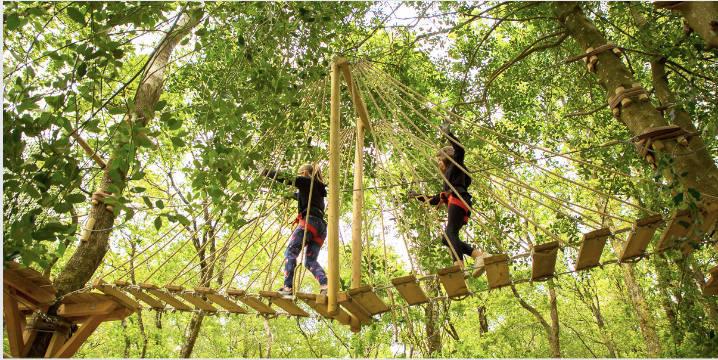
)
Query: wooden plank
[
  {"x": 711, "y": 286},
  {"x": 165, "y": 296},
  {"x": 31, "y": 290},
  {"x": 86, "y": 309},
  {"x": 118, "y": 313},
  {"x": 123, "y": 299},
  {"x": 544, "y": 261},
  {"x": 174, "y": 288},
  {"x": 222, "y": 301},
  {"x": 146, "y": 298},
  {"x": 359, "y": 104},
  {"x": 315, "y": 302},
  {"x": 452, "y": 278},
  {"x": 284, "y": 301},
  {"x": 353, "y": 307},
  {"x": 79, "y": 337},
  {"x": 497, "y": 270},
  {"x": 591, "y": 249},
  {"x": 191, "y": 297},
  {"x": 56, "y": 342},
  {"x": 410, "y": 290},
  {"x": 205, "y": 290},
  {"x": 256, "y": 304},
  {"x": 369, "y": 300},
  {"x": 640, "y": 237},
  {"x": 12, "y": 321},
  {"x": 675, "y": 229}
]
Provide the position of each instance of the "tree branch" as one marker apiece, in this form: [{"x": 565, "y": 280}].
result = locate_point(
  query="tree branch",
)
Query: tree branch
[{"x": 586, "y": 112}]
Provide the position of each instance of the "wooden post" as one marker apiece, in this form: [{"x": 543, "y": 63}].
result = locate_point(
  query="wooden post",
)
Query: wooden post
[
  {"x": 12, "y": 321},
  {"x": 358, "y": 197},
  {"x": 78, "y": 338},
  {"x": 333, "y": 225}
]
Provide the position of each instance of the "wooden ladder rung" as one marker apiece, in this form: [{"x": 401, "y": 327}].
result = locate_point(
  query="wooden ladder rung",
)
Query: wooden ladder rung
[
  {"x": 354, "y": 307},
  {"x": 544, "y": 261},
  {"x": 681, "y": 224},
  {"x": 319, "y": 304},
  {"x": 137, "y": 292},
  {"x": 410, "y": 290},
  {"x": 589, "y": 255},
  {"x": 497, "y": 270},
  {"x": 640, "y": 237},
  {"x": 195, "y": 299},
  {"x": 123, "y": 299},
  {"x": 366, "y": 297},
  {"x": 283, "y": 302},
  {"x": 452, "y": 278},
  {"x": 251, "y": 301},
  {"x": 165, "y": 296}
]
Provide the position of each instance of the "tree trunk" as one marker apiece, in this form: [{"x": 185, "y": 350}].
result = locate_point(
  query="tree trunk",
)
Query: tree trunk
[
  {"x": 708, "y": 302},
  {"x": 268, "y": 332},
  {"x": 89, "y": 255},
  {"x": 483, "y": 320},
  {"x": 702, "y": 16},
  {"x": 555, "y": 348},
  {"x": 551, "y": 330},
  {"x": 128, "y": 343},
  {"x": 194, "y": 326},
  {"x": 640, "y": 115},
  {"x": 433, "y": 331}
]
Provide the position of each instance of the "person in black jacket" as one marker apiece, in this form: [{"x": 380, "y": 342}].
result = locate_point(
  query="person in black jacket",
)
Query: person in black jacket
[
  {"x": 458, "y": 212},
  {"x": 310, "y": 217}
]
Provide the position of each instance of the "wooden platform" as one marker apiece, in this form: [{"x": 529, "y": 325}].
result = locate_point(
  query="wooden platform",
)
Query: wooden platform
[
  {"x": 711, "y": 286},
  {"x": 544, "y": 261},
  {"x": 452, "y": 278},
  {"x": 366, "y": 297},
  {"x": 410, "y": 290},
  {"x": 284, "y": 302},
  {"x": 589, "y": 255},
  {"x": 497, "y": 271},
  {"x": 640, "y": 237}
]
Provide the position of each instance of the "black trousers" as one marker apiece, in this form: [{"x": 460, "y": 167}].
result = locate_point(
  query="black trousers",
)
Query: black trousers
[{"x": 453, "y": 225}]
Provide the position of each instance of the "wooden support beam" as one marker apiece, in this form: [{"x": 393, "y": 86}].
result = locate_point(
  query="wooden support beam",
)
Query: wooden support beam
[
  {"x": 86, "y": 309},
  {"x": 640, "y": 237},
  {"x": 359, "y": 104},
  {"x": 283, "y": 302},
  {"x": 12, "y": 321},
  {"x": 333, "y": 205},
  {"x": 410, "y": 290},
  {"x": 357, "y": 209},
  {"x": 589, "y": 255},
  {"x": 119, "y": 313},
  {"x": 544, "y": 261},
  {"x": 79, "y": 337},
  {"x": 196, "y": 299},
  {"x": 497, "y": 271},
  {"x": 108, "y": 289},
  {"x": 366, "y": 297},
  {"x": 452, "y": 278},
  {"x": 58, "y": 340},
  {"x": 165, "y": 296},
  {"x": 28, "y": 288},
  {"x": 354, "y": 307}
]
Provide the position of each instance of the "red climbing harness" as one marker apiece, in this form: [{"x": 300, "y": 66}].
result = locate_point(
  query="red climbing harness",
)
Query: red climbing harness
[
  {"x": 454, "y": 200},
  {"x": 301, "y": 222}
]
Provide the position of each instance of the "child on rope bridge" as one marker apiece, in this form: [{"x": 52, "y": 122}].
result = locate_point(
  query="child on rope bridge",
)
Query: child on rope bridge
[
  {"x": 308, "y": 182},
  {"x": 458, "y": 212}
]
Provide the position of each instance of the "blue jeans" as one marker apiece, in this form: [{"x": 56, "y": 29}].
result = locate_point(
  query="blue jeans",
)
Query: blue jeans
[{"x": 312, "y": 252}]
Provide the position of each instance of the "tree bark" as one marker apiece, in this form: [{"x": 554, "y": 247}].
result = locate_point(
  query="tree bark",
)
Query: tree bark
[
  {"x": 194, "y": 326},
  {"x": 555, "y": 346},
  {"x": 268, "y": 332},
  {"x": 89, "y": 255},
  {"x": 551, "y": 330},
  {"x": 640, "y": 115},
  {"x": 433, "y": 332},
  {"x": 702, "y": 16}
]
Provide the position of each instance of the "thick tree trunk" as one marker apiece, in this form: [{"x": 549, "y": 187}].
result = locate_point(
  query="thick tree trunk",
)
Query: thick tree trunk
[
  {"x": 555, "y": 346},
  {"x": 551, "y": 330},
  {"x": 702, "y": 16},
  {"x": 194, "y": 326},
  {"x": 89, "y": 255},
  {"x": 640, "y": 115}
]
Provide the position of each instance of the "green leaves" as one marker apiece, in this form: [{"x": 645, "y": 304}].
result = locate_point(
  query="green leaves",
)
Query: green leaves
[
  {"x": 76, "y": 15},
  {"x": 177, "y": 142},
  {"x": 158, "y": 223},
  {"x": 12, "y": 22}
]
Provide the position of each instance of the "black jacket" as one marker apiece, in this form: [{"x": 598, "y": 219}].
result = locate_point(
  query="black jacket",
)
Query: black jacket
[
  {"x": 457, "y": 177},
  {"x": 303, "y": 184}
]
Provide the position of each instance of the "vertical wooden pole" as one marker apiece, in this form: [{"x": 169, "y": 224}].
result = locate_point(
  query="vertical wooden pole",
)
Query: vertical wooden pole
[
  {"x": 358, "y": 198},
  {"x": 333, "y": 225},
  {"x": 12, "y": 321}
]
